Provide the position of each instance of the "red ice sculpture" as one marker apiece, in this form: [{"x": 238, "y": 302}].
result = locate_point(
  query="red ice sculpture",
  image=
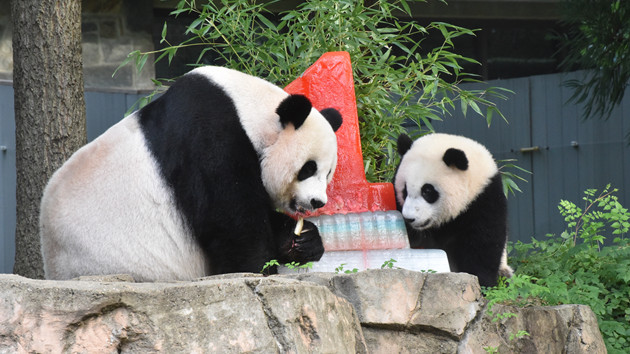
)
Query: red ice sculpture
[{"x": 329, "y": 83}]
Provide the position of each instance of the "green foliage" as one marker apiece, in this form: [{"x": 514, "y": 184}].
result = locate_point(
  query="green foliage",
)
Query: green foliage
[
  {"x": 298, "y": 266},
  {"x": 578, "y": 267},
  {"x": 388, "y": 264},
  {"x": 491, "y": 350},
  {"x": 266, "y": 269},
  {"x": 508, "y": 178},
  {"x": 345, "y": 271},
  {"x": 518, "y": 335},
  {"x": 509, "y": 294},
  {"x": 159, "y": 86},
  {"x": 598, "y": 40},
  {"x": 394, "y": 83}
]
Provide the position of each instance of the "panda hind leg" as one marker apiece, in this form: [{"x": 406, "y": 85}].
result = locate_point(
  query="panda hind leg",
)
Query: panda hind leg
[{"x": 504, "y": 269}]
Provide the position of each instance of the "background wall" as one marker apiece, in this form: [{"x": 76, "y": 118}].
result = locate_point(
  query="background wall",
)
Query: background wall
[{"x": 110, "y": 31}]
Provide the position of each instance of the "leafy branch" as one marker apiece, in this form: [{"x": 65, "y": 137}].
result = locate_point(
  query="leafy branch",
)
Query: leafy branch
[
  {"x": 598, "y": 40},
  {"x": 397, "y": 81}
]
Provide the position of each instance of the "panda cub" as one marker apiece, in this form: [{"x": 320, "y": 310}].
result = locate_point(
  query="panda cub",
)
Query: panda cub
[
  {"x": 191, "y": 184},
  {"x": 449, "y": 191}
]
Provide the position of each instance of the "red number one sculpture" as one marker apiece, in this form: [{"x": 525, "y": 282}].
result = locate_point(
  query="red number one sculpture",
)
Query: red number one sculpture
[{"x": 329, "y": 83}]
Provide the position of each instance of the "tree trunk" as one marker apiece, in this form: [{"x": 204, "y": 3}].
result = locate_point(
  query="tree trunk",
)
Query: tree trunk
[{"x": 49, "y": 110}]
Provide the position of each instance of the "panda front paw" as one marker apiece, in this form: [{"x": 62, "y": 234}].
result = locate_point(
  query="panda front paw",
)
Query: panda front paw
[{"x": 303, "y": 248}]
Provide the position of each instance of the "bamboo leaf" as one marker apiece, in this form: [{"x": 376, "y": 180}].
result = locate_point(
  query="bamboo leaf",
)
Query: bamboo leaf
[
  {"x": 266, "y": 21},
  {"x": 131, "y": 56}
]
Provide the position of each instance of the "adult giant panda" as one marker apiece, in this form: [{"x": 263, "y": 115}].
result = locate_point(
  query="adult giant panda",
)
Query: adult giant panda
[
  {"x": 190, "y": 184},
  {"x": 449, "y": 191}
]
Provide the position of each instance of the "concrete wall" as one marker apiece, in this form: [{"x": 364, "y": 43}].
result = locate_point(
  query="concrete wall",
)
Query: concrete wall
[
  {"x": 111, "y": 30},
  {"x": 6, "y": 51}
]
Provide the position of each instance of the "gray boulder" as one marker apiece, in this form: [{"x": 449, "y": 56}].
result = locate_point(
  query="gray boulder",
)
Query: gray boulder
[
  {"x": 239, "y": 314},
  {"x": 375, "y": 311}
]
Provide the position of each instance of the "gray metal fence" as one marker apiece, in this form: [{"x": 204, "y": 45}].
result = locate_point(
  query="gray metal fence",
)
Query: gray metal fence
[
  {"x": 565, "y": 154},
  {"x": 7, "y": 180}
]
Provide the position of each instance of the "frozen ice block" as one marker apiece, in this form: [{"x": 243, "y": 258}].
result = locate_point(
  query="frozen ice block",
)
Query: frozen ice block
[
  {"x": 411, "y": 259},
  {"x": 361, "y": 231},
  {"x": 367, "y": 240}
]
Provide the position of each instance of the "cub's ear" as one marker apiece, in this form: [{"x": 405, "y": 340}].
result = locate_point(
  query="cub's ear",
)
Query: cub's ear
[
  {"x": 294, "y": 109},
  {"x": 333, "y": 117},
  {"x": 455, "y": 157},
  {"x": 404, "y": 144}
]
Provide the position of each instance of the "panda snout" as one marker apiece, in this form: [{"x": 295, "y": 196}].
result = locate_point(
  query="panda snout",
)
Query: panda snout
[
  {"x": 415, "y": 223},
  {"x": 316, "y": 203}
]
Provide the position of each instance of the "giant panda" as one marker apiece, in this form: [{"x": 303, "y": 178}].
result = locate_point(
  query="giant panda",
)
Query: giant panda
[
  {"x": 449, "y": 191},
  {"x": 193, "y": 184}
]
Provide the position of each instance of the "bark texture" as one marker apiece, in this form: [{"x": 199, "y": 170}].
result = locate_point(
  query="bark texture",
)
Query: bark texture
[{"x": 49, "y": 109}]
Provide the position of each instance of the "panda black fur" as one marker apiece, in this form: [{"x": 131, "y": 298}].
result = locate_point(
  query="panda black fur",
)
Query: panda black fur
[
  {"x": 190, "y": 184},
  {"x": 449, "y": 191}
]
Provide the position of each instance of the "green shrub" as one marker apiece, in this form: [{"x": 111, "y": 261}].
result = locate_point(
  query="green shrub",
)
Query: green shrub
[
  {"x": 394, "y": 83},
  {"x": 578, "y": 267}
]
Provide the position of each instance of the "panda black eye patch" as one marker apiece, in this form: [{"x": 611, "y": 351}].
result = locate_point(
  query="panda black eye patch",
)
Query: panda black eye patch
[
  {"x": 308, "y": 170},
  {"x": 429, "y": 193}
]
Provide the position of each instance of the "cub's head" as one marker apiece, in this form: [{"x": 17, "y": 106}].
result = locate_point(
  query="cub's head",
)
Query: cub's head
[
  {"x": 298, "y": 166},
  {"x": 439, "y": 176}
]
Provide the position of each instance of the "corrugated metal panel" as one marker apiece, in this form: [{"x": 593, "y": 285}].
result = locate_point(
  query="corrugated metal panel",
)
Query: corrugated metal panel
[
  {"x": 104, "y": 109},
  {"x": 547, "y": 130},
  {"x": 7, "y": 180},
  {"x": 514, "y": 135}
]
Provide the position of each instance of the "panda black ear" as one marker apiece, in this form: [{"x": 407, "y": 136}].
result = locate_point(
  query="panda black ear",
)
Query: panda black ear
[
  {"x": 457, "y": 158},
  {"x": 404, "y": 144},
  {"x": 333, "y": 117},
  {"x": 294, "y": 109}
]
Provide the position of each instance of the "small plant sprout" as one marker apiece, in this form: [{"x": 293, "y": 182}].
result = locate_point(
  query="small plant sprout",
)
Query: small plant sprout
[
  {"x": 268, "y": 265},
  {"x": 519, "y": 335},
  {"x": 292, "y": 266},
  {"x": 340, "y": 269},
  {"x": 491, "y": 350},
  {"x": 298, "y": 266},
  {"x": 389, "y": 264}
]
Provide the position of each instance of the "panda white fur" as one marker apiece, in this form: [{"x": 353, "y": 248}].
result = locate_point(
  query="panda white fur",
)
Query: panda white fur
[
  {"x": 449, "y": 191},
  {"x": 190, "y": 184}
]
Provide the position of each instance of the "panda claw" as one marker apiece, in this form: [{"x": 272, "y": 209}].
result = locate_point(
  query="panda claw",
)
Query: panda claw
[{"x": 306, "y": 247}]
